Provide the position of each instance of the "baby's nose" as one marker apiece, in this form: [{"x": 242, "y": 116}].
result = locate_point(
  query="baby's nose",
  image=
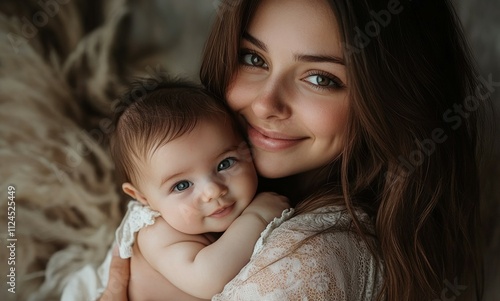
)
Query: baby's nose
[{"x": 214, "y": 190}]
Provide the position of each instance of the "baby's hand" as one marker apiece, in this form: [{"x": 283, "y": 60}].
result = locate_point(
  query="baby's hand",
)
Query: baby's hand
[{"x": 267, "y": 205}]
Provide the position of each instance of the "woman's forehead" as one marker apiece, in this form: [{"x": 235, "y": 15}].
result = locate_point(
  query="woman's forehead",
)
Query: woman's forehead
[{"x": 303, "y": 27}]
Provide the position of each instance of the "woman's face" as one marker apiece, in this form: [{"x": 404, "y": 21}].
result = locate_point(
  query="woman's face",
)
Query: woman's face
[{"x": 290, "y": 87}]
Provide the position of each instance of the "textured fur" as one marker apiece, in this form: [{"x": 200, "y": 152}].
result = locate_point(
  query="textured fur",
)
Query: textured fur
[
  {"x": 53, "y": 150},
  {"x": 59, "y": 77}
]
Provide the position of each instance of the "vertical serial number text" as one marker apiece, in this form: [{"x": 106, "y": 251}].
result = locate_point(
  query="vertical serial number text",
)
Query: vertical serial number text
[{"x": 11, "y": 239}]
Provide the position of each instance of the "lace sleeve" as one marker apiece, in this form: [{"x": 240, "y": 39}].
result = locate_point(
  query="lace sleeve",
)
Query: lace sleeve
[
  {"x": 137, "y": 217},
  {"x": 329, "y": 266}
]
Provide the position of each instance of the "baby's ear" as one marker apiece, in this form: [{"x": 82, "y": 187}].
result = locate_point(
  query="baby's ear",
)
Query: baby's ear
[{"x": 134, "y": 193}]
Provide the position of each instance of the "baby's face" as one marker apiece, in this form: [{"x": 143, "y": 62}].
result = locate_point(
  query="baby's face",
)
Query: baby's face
[{"x": 202, "y": 181}]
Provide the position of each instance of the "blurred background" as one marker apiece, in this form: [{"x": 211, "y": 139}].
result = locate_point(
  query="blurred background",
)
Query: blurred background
[{"x": 63, "y": 63}]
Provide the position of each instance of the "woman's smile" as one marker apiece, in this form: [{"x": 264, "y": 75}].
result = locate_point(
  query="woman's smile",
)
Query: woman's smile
[{"x": 271, "y": 140}]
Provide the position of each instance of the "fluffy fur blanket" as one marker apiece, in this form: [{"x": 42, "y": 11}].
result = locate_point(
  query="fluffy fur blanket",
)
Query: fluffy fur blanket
[
  {"x": 62, "y": 65},
  {"x": 59, "y": 75}
]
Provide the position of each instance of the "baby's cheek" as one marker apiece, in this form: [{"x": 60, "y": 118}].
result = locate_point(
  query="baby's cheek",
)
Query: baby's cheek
[{"x": 188, "y": 212}]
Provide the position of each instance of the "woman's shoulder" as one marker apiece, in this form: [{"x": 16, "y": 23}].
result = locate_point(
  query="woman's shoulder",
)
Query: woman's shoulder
[
  {"x": 315, "y": 254},
  {"x": 331, "y": 220},
  {"x": 325, "y": 234}
]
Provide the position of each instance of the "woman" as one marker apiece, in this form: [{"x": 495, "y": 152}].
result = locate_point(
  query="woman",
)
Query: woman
[{"x": 362, "y": 113}]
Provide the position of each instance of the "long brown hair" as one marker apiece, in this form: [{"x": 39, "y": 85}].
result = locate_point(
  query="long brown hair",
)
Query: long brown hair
[{"x": 410, "y": 159}]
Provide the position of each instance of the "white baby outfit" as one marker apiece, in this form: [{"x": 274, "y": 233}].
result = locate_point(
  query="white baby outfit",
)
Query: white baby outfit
[
  {"x": 88, "y": 283},
  {"x": 137, "y": 217}
]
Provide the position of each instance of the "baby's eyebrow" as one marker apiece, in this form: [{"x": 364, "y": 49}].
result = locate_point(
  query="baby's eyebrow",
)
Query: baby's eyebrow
[
  {"x": 167, "y": 178},
  {"x": 229, "y": 149}
]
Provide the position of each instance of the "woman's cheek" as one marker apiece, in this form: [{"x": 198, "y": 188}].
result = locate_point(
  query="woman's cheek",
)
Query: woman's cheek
[
  {"x": 233, "y": 93},
  {"x": 243, "y": 90},
  {"x": 325, "y": 117}
]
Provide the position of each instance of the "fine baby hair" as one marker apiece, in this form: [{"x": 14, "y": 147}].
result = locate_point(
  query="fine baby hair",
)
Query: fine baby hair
[{"x": 153, "y": 113}]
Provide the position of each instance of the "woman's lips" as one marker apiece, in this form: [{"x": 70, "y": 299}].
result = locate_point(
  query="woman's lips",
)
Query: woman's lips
[{"x": 271, "y": 141}]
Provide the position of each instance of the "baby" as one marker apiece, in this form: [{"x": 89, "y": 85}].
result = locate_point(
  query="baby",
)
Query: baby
[{"x": 186, "y": 165}]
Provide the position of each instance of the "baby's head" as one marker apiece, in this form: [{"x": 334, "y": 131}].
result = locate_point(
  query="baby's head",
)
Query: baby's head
[
  {"x": 179, "y": 150},
  {"x": 147, "y": 119}
]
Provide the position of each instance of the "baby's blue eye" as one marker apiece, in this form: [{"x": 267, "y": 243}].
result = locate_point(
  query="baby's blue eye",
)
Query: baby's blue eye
[
  {"x": 225, "y": 164},
  {"x": 253, "y": 59},
  {"x": 182, "y": 185}
]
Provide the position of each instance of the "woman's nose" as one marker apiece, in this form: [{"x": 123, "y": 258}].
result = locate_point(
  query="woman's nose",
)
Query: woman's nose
[
  {"x": 271, "y": 102},
  {"x": 213, "y": 190}
]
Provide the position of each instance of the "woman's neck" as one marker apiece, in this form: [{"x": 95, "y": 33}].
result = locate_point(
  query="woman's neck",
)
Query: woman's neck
[{"x": 298, "y": 187}]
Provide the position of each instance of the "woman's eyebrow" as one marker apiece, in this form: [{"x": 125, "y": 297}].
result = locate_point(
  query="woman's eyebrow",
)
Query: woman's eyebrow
[
  {"x": 258, "y": 43},
  {"x": 319, "y": 59},
  {"x": 310, "y": 58}
]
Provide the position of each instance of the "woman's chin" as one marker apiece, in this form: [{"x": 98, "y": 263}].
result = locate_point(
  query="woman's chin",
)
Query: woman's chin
[{"x": 274, "y": 169}]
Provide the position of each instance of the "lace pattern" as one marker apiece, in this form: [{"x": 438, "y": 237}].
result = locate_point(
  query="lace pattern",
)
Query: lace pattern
[
  {"x": 275, "y": 223},
  {"x": 137, "y": 217},
  {"x": 292, "y": 263}
]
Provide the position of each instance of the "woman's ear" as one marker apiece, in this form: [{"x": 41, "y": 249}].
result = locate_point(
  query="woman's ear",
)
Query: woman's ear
[{"x": 134, "y": 193}]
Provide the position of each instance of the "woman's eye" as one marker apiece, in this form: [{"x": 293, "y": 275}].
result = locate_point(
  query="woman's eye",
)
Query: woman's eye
[
  {"x": 182, "y": 185},
  {"x": 225, "y": 164},
  {"x": 252, "y": 59},
  {"x": 323, "y": 81}
]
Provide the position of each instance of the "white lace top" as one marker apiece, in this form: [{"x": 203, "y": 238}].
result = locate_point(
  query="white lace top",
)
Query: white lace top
[
  {"x": 137, "y": 217},
  {"x": 330, "y": 266}
]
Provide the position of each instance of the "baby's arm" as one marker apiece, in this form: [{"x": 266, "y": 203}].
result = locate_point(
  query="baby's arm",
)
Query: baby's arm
[{"x": 203, "y": 270}]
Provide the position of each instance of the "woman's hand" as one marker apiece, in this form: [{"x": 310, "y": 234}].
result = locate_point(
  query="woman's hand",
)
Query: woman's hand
[{"x": 119, "y": 274}]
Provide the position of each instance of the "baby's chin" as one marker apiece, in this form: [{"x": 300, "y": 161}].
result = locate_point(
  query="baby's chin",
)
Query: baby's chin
[
  {"x": 223, "y": 227},
  {"x": 220, "y": 227}
]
